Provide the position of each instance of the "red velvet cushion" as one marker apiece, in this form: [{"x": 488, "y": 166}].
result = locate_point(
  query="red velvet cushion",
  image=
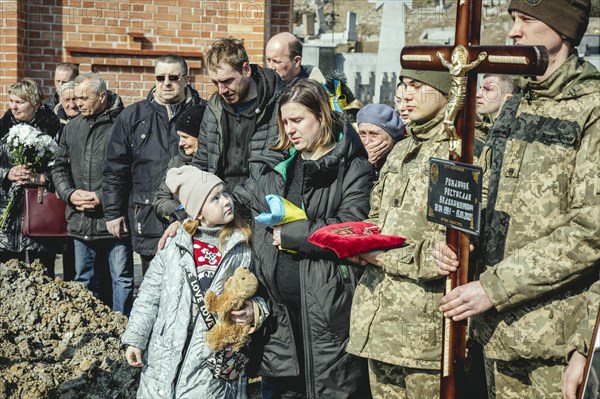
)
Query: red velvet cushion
[{"x": 351, "y": 238}]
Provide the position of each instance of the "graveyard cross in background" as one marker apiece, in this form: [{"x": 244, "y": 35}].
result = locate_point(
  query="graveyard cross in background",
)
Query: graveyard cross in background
[{"x": 510, "y": 60}]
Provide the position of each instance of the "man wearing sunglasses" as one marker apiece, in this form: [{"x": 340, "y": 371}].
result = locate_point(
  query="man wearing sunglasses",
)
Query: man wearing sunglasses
[
  {"x": 143, "y": 141},
  {"x": 240, "y": 121}
]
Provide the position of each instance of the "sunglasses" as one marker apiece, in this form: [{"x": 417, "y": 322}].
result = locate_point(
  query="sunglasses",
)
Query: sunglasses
[{"x": 172, "y": 78}]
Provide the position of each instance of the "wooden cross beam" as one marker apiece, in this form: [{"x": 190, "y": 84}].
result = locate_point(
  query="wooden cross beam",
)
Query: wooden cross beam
[
  {"x": 464, "y": 60},
  {"x": 523, "y": 60}
]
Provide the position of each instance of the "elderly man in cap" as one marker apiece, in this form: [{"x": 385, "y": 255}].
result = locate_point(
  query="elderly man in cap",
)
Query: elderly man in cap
[
  {"x": 540, "y": 252},
  {"x": 67, "y": 108},
  {"x": 379, "y": 128}
]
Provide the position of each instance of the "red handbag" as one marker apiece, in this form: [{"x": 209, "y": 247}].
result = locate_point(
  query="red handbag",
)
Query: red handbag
[{"x": 43, "y": 214}]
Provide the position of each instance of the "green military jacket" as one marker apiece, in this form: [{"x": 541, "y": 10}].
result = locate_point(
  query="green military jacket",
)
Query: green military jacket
[
  {"x": 395, "y": 317},
  {"x": 542, "y": 242}
]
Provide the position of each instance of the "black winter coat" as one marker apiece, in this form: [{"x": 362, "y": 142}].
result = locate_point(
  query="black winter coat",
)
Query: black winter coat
[
  {"x": 45, "y": 120},
  {"x": 336, "y": 189},
  {"x": 167, "y": 205},
  {"x": 12, "y": 238},
  {"x": 143, "y": 140},
  {"x": 79, "y": 164},
  {"x": 212, "y": 141}
]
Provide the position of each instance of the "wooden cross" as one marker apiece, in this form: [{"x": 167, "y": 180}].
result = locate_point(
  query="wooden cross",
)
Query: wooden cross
[{"x": 510, "y": 60}]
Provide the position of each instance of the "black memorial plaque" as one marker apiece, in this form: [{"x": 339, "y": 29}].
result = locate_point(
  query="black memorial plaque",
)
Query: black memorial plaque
[{"x": 454, "y": 195}]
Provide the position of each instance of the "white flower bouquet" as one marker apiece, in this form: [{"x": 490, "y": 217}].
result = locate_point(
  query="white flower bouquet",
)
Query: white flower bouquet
[{"x": 27, "y": 146}]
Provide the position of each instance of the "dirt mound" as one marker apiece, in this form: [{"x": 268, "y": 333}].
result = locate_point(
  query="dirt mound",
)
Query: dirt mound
[{"x": 57, "y": 340}]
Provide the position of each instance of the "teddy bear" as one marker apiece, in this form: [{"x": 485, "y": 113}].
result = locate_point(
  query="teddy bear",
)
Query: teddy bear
[{"x": 239, "y": 287}]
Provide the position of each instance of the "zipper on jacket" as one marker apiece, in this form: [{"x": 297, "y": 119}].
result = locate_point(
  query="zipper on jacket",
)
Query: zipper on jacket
[
  {"x": 93, "y": 126},
  {"x": 89, "y": 174},
  {"x": 528, "y": 94},
  {"x": 182, "y": 252},
  {"x": 186, "y": 346},
  {"x": 308, "y": 356}
]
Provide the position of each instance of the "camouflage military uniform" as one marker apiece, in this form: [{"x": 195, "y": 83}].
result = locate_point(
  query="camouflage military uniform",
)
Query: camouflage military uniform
[
  {"x": 395, "y": 382},
  {"x": 395, "y": 318},
  {"x": 542, "y": 243}
]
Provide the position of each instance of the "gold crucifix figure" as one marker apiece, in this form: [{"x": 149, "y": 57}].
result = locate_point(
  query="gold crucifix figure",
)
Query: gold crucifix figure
[{"x": 458, "y": 70}]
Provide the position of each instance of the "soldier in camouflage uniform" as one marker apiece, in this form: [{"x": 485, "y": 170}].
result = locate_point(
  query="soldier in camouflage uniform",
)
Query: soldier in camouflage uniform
[
  {"x": 394, "y": 321},
  {"x": 541, "y": 248}
]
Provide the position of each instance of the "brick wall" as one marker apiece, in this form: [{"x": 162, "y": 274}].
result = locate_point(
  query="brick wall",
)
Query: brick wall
[
  {"x": 12, "y": 33},
  {"x": 122, "y": 39}
]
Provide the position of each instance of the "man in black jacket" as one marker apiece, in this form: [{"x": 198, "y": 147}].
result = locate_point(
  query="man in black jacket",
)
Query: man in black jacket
[
  {"x": 78, "y": 179},
  {"x": 142, "y": 142},
  {"x": 240, "y": 120}
]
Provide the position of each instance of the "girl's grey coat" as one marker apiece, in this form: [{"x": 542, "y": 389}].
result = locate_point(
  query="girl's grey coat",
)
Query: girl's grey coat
[{"x": 160, "y": 319}]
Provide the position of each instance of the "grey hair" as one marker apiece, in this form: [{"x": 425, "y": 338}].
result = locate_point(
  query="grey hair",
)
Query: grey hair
[
  {"x": 70, "y": 85},
  {"x": 92, "y": 80}
]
